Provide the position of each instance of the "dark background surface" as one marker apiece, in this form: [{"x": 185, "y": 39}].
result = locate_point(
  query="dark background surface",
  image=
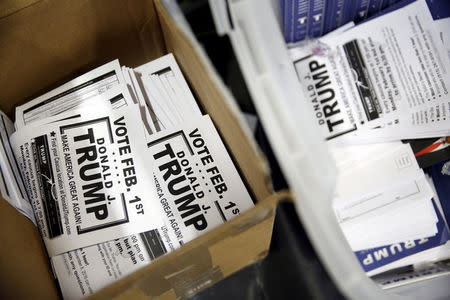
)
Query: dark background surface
[{"x": 292, "y": 268}]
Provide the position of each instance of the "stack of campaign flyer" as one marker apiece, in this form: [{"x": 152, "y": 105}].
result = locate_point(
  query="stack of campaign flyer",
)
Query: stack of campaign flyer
[
  {"x": 12, "y": 186},
  {"x": 379, "y": 91},
  {"x": 386, "y": 79},
  {"x": 117, "y": 167}
]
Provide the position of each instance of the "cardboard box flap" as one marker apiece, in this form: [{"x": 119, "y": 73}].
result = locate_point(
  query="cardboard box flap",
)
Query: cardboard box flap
[
  {"x": 205, "y": 260},
  {"x": 51, "y": 42},
  {"x": 25, "y": 269}
]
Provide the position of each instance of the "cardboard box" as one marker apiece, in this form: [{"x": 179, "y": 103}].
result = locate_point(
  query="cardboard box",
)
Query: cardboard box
[{"x": 46, "y": 43}]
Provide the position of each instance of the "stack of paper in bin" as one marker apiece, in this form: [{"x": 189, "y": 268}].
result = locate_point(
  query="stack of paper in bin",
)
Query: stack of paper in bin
[
  {"x": 120, "y": 167},
  {"x": 369, "y": 87}
]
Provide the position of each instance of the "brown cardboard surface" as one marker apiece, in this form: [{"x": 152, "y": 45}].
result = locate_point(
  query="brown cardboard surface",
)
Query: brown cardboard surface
[
  {"x": 45, "y": 43},
  {"x": 8, "y": 7},
  {"x": 24, "y": 269}
]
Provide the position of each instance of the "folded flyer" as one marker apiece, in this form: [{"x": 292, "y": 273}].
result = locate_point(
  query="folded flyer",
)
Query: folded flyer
[{"x": 197, "y": 185}]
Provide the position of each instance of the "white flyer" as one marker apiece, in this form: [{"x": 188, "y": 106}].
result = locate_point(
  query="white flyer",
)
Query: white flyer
[
  {"x": 197, "y": 184},
  {"x": 88, "y": 179},
  {"x": 389, "y": 73},
  {"x": 71, "y": 94},
  {"x": 12, "y": 186}
]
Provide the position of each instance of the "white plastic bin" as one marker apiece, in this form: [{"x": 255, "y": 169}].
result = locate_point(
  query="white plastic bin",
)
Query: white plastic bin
[{"x": 254, "y": 30}]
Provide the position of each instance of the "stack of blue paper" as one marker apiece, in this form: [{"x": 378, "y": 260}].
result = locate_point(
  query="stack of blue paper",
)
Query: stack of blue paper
[{"x": 304, "y": 19}]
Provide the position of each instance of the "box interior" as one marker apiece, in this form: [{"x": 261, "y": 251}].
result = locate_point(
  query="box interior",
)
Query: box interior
[{"x": 46, "y": 43}]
